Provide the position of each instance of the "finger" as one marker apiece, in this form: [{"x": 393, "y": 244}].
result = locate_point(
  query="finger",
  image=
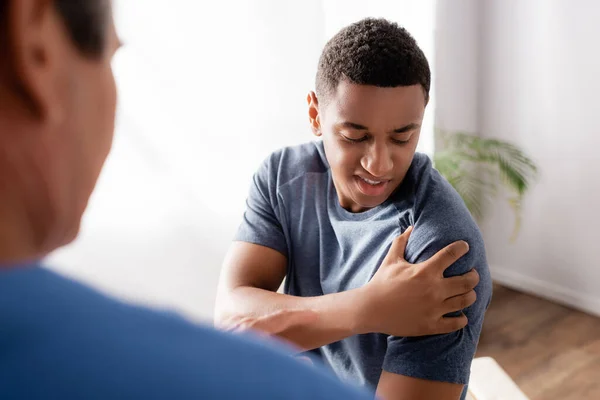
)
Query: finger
[
  {"x": 399, "y": 245},
  {"x": 461, "y": 284},
  {"x": 226, "y": 324},
  {"x": 239, "y": 325},
  {"x": 459, "y": 303},
  {"x": 305, "y": 360},
  {"x": 451, "y": 324},
  {"x": 447, "y": 256},
  {"x": 280, "y": 321}
]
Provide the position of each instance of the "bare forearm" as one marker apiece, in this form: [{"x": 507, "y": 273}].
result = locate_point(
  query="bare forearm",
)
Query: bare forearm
[{"x": 339, "y": 314}]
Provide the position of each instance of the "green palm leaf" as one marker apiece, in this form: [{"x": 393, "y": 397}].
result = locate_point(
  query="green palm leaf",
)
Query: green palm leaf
[{"x": 476, "y": 166}]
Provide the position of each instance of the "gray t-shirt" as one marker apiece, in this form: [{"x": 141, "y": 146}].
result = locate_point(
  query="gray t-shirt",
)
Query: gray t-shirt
[{"x": 293, "y": 208}]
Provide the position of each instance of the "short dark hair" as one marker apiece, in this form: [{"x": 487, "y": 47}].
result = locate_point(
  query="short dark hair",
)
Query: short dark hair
[
  {"x": 372, "y": 52},
  {"x": 85, "y": 20}
]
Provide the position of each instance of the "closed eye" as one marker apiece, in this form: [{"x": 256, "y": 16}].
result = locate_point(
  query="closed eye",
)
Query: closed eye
[
  {"x": 362, "y": 139},
  {"x": 401, "y": 142}
]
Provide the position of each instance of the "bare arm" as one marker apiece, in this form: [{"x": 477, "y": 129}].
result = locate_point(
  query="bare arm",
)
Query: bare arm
[
  {"x": 400, "y": 387},
  {"x": 247, "y": 288},
  {"x": 402, "y": 299}
]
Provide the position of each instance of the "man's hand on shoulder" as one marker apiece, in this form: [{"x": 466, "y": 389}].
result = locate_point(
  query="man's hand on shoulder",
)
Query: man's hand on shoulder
[{"x": 404, "y": 299}]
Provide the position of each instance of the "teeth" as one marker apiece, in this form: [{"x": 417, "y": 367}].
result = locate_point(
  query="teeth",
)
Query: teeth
[{"x": 370, "y": 182}]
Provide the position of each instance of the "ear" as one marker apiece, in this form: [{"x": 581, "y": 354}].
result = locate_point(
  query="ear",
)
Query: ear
[
  {"x": 313, "y": 113},
  {"x": 35, "y": 35}
]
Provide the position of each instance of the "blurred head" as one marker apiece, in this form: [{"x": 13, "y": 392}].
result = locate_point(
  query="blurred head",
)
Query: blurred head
[
  {"x": 57, "y": 111},
  {"x": 372, "y": 87}
]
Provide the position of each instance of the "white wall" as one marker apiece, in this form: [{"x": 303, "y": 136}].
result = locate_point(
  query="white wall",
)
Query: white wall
[
  {"x": 457, "y": 65},
  {"x": 207, "y": 90},
  {"x": 538, "y": 87}
]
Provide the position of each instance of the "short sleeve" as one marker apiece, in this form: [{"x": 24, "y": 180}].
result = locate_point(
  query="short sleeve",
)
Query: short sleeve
[
  {"x": 442, "y": 220},
  {"x": 261, "y": 223}
]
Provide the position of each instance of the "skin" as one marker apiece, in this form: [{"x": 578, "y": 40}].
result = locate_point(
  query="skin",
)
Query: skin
[
  {"x": 401, "y": 299},
  {"x": 372, "y": 132},
  {"x": 368, "y": 132},
  {"x": 57, "y": 113}
]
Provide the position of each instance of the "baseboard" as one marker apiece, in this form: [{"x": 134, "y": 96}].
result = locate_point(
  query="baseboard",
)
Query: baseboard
[{"x": 547, "y": 290}]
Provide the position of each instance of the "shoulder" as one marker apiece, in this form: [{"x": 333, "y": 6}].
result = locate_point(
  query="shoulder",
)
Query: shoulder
[
  {"x": 438, "y": 213},
  {"x": 440, "y": 217},
  {"x": 431, "y": 194},
  {"x": 289, "y": 163},
  {"x": 122, "y": 350}
]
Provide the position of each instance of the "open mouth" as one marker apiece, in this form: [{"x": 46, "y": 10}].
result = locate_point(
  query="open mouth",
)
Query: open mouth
[{"x": 370, "y": 187}]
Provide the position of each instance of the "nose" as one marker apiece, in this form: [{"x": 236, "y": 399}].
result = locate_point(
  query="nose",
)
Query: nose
[{"x": 378, "y": 160}]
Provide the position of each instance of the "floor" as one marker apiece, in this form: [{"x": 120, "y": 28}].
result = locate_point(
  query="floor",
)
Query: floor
[{"x": 550, "y": 351}]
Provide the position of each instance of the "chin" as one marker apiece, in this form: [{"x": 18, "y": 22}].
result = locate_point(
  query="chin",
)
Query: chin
[
  {"x": 56, "y": 238},
  {"x": 68, "y": 232},
  {"x": 363, "y": 204},
  {"x": 66, "y": 237},
  {"x": 71, "y": 234}
]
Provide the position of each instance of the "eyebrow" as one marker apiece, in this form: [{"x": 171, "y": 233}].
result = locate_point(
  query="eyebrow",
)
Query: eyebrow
[
  {"x": 359, "y": 127},
  {"x": 353, "y": 125},
  {"x": 407, "y": 128}
]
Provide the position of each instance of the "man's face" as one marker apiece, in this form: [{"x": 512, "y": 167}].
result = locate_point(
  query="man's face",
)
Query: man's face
[
  {"x": 370, "y": 135},
  {"x": 90, "y": 101},
  {"x": 62, "y": 118}
]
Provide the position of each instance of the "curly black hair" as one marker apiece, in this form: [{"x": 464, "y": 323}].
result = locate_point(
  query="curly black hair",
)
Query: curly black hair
[
  {"x": 373, "y": 51},
  {"x": 86, "y": 22}
]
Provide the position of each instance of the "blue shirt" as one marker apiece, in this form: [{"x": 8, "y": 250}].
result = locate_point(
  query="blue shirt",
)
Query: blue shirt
[
  {"x": 62, "y": 340},
  {"x": 293, "y": 208}
]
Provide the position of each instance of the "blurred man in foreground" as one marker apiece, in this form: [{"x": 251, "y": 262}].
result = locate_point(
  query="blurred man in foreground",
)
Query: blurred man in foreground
[{"x": 60, "y": 339}]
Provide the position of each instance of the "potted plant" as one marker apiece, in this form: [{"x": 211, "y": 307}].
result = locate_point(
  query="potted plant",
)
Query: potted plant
[{"x": 478, "y": 168}]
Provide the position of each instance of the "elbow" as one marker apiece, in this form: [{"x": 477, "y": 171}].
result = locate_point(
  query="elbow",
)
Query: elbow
[
  {"x": 222, "y": 314},
  {"x": 226, "y": 314},
  {"x": 219, "y": 317}
]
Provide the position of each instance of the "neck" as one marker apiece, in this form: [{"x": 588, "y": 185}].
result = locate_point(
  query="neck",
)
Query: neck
[
  {"x": 17, "y": 239},
  {"x": 21, "y": 233},
  {"x": 25, "y": 207}
]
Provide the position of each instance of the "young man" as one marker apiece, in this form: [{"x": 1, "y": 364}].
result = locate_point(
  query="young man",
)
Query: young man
[
  {"x": 59, "y": 339},
  {"x": 324, "y": 214}
]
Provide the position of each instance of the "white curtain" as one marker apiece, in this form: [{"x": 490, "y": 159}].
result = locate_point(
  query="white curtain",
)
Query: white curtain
[{"x": 207, "y": 90}]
